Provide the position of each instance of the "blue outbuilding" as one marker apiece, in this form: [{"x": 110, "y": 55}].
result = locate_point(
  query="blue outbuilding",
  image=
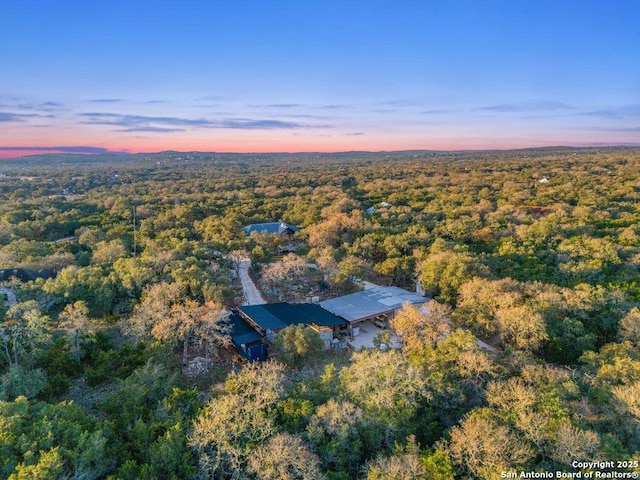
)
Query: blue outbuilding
[{"x": 247, "y": 340}]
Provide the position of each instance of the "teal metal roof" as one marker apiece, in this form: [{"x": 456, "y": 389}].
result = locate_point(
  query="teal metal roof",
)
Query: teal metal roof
[
  {"x": 242, "y": 333},
  {"x": 276, "y": 316}
]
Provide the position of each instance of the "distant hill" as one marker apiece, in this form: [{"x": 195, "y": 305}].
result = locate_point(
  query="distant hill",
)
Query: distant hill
[{"x": 171, "y": 157}]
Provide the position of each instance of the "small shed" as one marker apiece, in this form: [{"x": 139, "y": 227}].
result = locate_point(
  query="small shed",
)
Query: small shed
[{"x": 247, "y": 341}]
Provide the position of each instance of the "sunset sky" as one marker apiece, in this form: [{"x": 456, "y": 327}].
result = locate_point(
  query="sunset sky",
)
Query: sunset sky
[{"x": 291, "y": 75}]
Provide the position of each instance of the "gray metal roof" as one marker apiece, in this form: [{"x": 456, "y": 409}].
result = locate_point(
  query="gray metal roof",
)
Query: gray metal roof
[{"x": 370, "y": 303}]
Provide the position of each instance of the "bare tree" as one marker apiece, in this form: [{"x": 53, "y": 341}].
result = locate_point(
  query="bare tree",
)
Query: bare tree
[
  {"x": 155, "y": 306},
  {"x": 75, "y": 321},
  {"x": 422, "y": 328},
  {"x": 629, "y": 328},
  {"x": 480, "y": 446},
  {"x": 285, "y": 457},
  {"x": 191, "y": 322}
]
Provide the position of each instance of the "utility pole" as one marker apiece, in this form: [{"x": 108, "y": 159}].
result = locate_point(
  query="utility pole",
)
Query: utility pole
[{"x": 134, "y": 231}]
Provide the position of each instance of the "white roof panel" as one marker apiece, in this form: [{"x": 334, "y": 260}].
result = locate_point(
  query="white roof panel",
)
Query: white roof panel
[{"x": 370, "y": 303}]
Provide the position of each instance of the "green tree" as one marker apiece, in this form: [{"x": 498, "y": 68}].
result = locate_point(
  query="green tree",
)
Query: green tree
[
  {"x": 456, "y": 372},
  {"x": 133, "y": 275},
  {"x": 23, "y": 332},
  {"x": 108, "y": 252},
  {"x": 336, "y": 433},
  {"x": 399, "y": 270},
  {"x": 19, "y": 382},
  {"x": 50, "y": 441},
  {"x": 443, "y": 272},
  {"x": 92, "y": 285},
  {"x": 349, "y": 272},
  {"x": 49, "y": 466},
  {"x": 231, "y": 425},
  {"x": 170, "y": 457},
  {"x": 298, "y": 344},
  {"x": 259, "y": 256},
  {"x": 388, "y": 389},
  {"x": 480, "y": 299},
  {"x": 407, "y": 463}
]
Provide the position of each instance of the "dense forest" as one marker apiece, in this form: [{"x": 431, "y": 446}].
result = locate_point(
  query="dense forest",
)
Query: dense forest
[{"x": 536, "y": 252}]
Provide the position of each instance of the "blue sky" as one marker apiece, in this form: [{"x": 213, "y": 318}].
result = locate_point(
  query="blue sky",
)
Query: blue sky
[{"x": 317, "y": 76}]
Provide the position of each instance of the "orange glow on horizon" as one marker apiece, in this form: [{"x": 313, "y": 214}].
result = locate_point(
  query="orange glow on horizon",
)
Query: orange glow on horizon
[{"x": 300, "y": 145}]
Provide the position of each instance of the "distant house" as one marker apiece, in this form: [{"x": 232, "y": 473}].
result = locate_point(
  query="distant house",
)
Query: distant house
[
  {"x": 8, "y": 297},
  {"x": 24, "y": 274},
  {"x": 280, "y": 228},
  {"x": 372, "y": 210}
]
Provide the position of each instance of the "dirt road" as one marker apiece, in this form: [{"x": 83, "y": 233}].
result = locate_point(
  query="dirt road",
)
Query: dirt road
[{"x": 252, "y": 295}]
